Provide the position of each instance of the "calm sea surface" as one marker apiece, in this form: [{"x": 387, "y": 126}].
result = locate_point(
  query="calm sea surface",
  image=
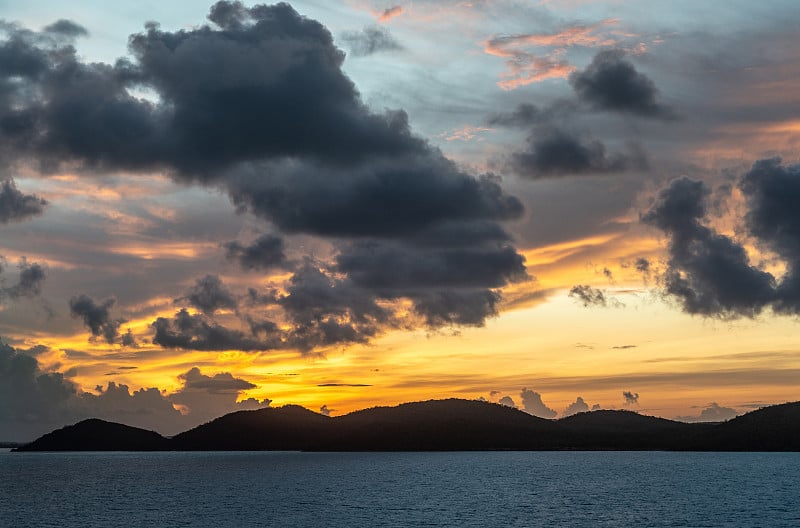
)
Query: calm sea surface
[{"x": 399, "y": 489}]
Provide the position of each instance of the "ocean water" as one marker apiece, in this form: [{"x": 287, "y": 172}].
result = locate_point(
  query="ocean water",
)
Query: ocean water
[{"x": 481, "y": 489}]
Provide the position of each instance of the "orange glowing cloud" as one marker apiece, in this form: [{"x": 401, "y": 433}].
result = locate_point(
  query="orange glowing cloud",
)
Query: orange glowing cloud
[
  {"x": 390, "y": 13},
  {"x": 524, "y": 67}
]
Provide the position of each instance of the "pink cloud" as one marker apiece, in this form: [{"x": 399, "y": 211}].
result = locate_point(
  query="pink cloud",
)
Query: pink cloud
[
  {"x": 526, "y": 67},
  {"x": 390, "y": 13}
]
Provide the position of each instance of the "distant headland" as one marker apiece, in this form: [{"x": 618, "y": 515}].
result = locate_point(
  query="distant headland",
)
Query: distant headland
[{"x": 439, "y": 425}]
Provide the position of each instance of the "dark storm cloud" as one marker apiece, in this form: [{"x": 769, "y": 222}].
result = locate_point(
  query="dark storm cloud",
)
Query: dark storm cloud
[
  {"x": 209, "y": 295},
  {"x": 612, "y": 83},
  {"x": 390, "y": 197},
  {"x": 454, "y": 307},
  {"x": 257, "y": 103},
  {"x": 709, "y": 273},
  {"x": 96, "y": 316},
  {"x": 532, "y": 404},
  {"x": 266, "y": 252},
  {"x": 196, "y": 332},
  {"x": 588, "y": 296},
  {"x": 772, "y": 192},
  {"x": 370, "y": 40},
  {"x": 222, "y": 382},
  {"x": 327, "y": 310},
  {"x": 391, "y": 267},
  {"x": 551, "y": 152},
  {"x": 631, "y": 398},
  {"x": 16, "y": 206}
]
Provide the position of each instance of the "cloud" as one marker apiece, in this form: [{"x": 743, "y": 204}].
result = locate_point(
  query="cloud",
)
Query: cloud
[
  {"x": 552, "y": 152},
  {"x": 713, "y": 413},
  {"x": 256, "y": 103},
  {"x": 219, "y": 383},
  {"x": 16, "y": 206},
  {"x": 67, "y": 28},
  {"x": 526, "y": 115},
  {"x": 33, "y": 402},
  {"x": 642, "y": 265},
  {"x": 390, "y": 13},
  {"x": 29, "y": 282},
  {"x": 29, "y": 397},
  {"x": 197, "y": 332},
  {"x": 709, "y": 273},
  {"x": 370, "y": 40},
  {"x": 612, "y": 83},
  {"x": 266, "y": 252},
  {"x": 525, "y": 67},
  {"x": 209, "y": 295},
  {"x": 507, "y": 401},
  {"x": 324, "y": 411},
  {"x": 631, "y": 398},
  {"x": 770, "y": 189},
  {"x": 532, "y": 404},
  {"x": 588, "y": 296},
  {"x": 96, "y": 316},
  {"x": 578, "y": 406}
]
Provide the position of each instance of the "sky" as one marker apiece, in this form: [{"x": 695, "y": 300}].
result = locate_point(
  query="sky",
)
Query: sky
[{"x": 559, "y": 205}]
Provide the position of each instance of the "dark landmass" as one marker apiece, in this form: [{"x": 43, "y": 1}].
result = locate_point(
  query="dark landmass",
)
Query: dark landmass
[
  {"x": 7, "y": 445},
  {"x": 98, "y": 435},
  {"x": 440, "y": 425}
]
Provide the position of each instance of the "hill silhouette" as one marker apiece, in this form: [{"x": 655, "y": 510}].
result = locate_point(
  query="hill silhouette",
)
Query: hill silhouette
[
  {"x": 272, "y": 429},
  {"x": 98, "y": 435},
  {"x": 441, "y": 425}
]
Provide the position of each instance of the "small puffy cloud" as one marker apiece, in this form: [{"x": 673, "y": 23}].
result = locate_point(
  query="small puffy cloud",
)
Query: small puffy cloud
[
  {"x": 507, "y": 401},
  {"x": 16, "y": 206},
  {"x": 612, "y": 83},
  {"x": 96, "y": 316},
  {"x": 29, "y": 282},
  {"x": 631, "y": 398},
  {"x": 532, "y": 404},
  {"x": 713, "y": 413},
  {"x": 551, "y": 153},
  {"x": 370, "y": 40},
  {"x": 578, "y": 406},
  {"x": 223, "y": 382},
  {"x": 210, "y": 295},
  {"x": 390, "y": 13}
]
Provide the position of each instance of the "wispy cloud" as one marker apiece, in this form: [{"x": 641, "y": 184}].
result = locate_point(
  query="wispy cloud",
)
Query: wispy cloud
[{"x": 547, "y": 59}]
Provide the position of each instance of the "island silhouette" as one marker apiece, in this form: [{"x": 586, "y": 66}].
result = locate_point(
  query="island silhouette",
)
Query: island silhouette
[{"x": 439, "y": 425}]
